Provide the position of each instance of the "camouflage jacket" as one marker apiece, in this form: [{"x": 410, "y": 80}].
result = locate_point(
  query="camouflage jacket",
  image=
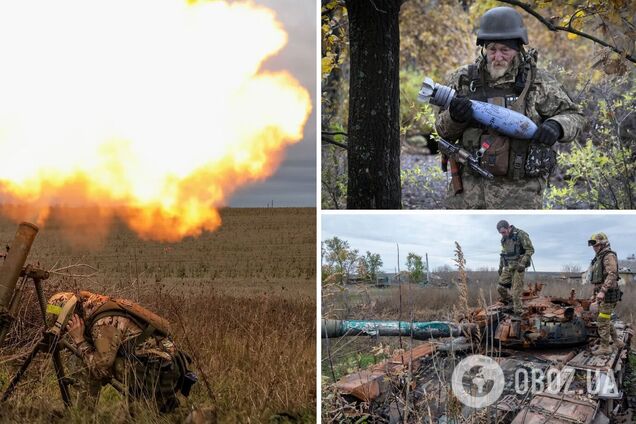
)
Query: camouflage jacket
[
  {"x": 605, "y": 265},
  {"x": 108, "y": 339},
  {"x": 546, "y": 100},
  {"x": 516, "y": 249}
]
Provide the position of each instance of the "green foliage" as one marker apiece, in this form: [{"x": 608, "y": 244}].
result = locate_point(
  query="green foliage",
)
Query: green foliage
[
  {"x": 339, "y": 258},
  {"x": 370, "y": 264},
  {"x": 415, "y": 267},
  {"x": 415, "y": 117},
  {"x": 354, "y": 362},
  {"x": 601, "y": 174}
]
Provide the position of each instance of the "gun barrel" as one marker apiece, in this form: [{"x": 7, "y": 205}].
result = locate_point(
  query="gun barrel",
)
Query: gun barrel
[
  {"x": 11, "y": 268},
  {"x": 422, "y": 330}
]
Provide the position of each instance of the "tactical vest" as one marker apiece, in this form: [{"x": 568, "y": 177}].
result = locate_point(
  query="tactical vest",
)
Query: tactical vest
[
  {"x": 150, "y": 323},
  {"x": 613, "y": 294},
  {"x": 512, "y": 96},
  {"x": 511, "y": 248}
]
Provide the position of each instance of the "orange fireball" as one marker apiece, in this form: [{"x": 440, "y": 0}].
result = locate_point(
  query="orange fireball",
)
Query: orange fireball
[{"x": 154, "y": 111}]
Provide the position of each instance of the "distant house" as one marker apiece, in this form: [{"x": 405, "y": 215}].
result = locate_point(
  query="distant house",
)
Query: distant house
[
  {"x": 357, "y": 279},
  {"x": 627, "y": 270},
  {"x": 382, "y": 280}
]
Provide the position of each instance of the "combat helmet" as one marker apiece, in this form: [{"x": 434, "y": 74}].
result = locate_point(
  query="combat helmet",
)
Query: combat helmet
[
  {"x": 599, "y": 238},
  {"x": 59, "y": 310},
  {"x": 501, "y": 23}
]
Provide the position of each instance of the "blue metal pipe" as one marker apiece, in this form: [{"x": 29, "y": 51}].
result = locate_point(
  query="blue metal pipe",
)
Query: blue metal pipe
[{"x": 422, "y": 330}]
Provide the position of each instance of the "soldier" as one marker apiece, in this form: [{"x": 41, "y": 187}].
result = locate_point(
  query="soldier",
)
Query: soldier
[
  {"x": 122, "y": 343},
  {"x": 516, "y": 254},
  {"x": 506, "y": 75},
  {"x": 604, "y": 276}
]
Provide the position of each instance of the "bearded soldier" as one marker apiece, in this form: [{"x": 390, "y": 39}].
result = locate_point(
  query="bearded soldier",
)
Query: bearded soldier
[
  {"x": 604, "y": 277},
  {"x": 120, "y": 341},
  {"x": 516, "y": 254},
  {"x": 506, "y": 75}
]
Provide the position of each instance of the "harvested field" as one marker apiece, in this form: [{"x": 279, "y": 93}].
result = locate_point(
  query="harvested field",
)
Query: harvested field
[{"x": 241, "y": 300}]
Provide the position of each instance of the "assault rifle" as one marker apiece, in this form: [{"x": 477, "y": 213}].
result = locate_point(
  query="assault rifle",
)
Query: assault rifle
[{"x": 457, "y": 155}]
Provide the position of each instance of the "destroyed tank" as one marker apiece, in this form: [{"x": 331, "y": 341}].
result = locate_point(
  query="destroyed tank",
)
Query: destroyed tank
[{"x": 548, "y": 372}]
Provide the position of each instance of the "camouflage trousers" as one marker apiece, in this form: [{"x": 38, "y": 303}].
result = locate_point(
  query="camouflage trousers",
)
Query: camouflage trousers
[
  {"x": 510, "y": 277},
  {"x": 606, "y": 330},
  {"x": 501, "y": 193},
  {"x": 152, "y": 383}
]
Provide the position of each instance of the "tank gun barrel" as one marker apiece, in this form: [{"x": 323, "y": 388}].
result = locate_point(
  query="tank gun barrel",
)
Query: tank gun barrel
[{"x": 420, "y": 330}]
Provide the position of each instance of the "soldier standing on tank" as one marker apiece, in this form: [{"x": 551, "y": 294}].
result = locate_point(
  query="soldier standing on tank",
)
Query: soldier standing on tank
[
  {"x": 604, "y": 277},
  {"x": 120, "y": 341},
  {"x": 506, "y": 75},
  {"x": 516, "y": 254}
]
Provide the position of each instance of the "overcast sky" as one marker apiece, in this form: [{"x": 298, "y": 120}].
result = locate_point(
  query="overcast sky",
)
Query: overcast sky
[
  {"x": 294, "y": 184},
  {"x": 558, "y": 240}
]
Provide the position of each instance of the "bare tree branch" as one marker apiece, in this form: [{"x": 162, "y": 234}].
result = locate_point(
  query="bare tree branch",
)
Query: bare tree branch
[
  {"x": 335, "y": 133},
  {"x": 528, "y": 8},
  {"x": 334, "y": 142}
]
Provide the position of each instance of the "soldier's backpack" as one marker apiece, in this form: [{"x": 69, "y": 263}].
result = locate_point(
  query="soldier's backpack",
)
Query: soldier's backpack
[{"x": 150, "y": 323}]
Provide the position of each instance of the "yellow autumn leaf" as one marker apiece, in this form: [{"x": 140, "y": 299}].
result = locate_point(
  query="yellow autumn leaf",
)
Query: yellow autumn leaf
[
  {"x": 571, "y": 36},
  {"x": 327, "y": 65}
]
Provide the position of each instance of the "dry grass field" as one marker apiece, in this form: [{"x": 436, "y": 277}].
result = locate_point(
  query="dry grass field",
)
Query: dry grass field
[{"x": 241, "y": 300}]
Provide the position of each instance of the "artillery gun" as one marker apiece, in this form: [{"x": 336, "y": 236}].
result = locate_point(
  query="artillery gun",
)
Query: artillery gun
[
  {"x": 14, "y": 277},
  {"x": 548, "y": 371}
]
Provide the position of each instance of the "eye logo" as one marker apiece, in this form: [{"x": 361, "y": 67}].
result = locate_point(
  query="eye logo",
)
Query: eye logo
[{"x": 486, "y": 386}]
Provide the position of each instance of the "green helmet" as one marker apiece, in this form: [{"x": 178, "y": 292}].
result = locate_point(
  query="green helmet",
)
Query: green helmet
[
  {"x": 595, "y": 238},
  {"x": 501, "y": 23}
]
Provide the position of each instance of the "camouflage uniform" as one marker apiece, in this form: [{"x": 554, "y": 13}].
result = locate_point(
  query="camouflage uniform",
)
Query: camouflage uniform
[
  {"x": 516, "y": 249},
  {"x": 604, "y": 276},
  {"x": 147, "y": 368},
  {"x": 545, "y": 100}
]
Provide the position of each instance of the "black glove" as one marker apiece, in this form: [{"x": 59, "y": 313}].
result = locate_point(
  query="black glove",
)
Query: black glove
[
  {"x": 548, "y": 133},
  {"x": 460, "y": 109},
  {"x": 521, "y": 268}
]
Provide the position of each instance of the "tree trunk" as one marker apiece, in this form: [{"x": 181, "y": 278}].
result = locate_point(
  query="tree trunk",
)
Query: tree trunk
[{"x": 374, "y": 105}]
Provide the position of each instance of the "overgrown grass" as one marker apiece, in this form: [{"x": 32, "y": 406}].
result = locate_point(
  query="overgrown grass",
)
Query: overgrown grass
[{"x": 351, "y": 354}]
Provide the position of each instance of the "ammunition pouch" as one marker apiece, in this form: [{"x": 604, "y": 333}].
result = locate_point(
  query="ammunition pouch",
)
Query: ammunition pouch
[
  {"x": 495, "y": 157},
  {"x": 541, "y": 160},
  {"x": 519, "y": 150},
  {"x": 613, "y": 295}
]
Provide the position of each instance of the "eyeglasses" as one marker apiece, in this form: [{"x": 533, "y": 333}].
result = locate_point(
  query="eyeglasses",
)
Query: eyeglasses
[{"x": 591, "y": 242}]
